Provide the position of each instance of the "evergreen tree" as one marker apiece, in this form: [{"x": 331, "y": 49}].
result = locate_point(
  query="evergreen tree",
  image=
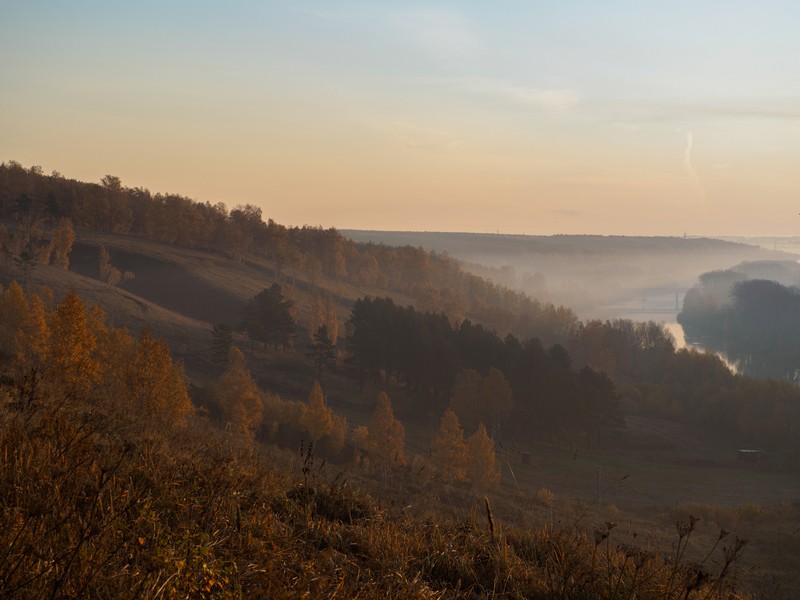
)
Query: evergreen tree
[
  {"x": 222, "y": 338},
  {"x": 322, "y": 351},
  {"x": 481, "y": 400},
  {"x": 267, "y": 317}
]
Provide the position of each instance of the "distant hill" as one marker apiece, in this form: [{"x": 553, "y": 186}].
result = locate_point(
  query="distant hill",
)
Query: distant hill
[{"x": 596, "y": 276}]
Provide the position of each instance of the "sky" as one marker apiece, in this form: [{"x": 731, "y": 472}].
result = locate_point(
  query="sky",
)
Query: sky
[{"x": 616, "y": 118}]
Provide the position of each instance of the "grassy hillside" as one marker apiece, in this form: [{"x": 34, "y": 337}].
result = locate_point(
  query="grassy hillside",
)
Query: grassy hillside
[{"x": 186, "y": 512}]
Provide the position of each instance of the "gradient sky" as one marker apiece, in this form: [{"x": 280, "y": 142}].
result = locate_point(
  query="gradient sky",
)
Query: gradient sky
[{"x": 639, "y": 117}]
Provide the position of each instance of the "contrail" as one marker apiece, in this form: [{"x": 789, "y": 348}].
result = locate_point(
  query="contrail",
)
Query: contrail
[{"x": 687, "y": 164}]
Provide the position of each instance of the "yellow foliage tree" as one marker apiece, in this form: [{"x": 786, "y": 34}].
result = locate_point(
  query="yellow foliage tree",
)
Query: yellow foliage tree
[
  {"x": 32, "y": 348},
  {"x": 239, "y": 397},
  {"x": 317, "y": 419},
  {"x": 157, "y": 387},
  {"x": 115, "y": 352},
  {"x": 13, "y": 309},
  {"x": 449, "y": 452},
  {"x": 482, "y": 467},
  {"x": 73, "y": 367},
  {"x": 63, "y": 237},
  {"x": 386, "y": 441}
]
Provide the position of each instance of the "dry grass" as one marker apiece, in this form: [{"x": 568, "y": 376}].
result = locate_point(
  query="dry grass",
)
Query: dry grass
[{"x": 94, "y": 506}]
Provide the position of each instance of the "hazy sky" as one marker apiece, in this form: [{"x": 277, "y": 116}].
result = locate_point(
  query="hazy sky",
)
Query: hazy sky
[{"x": 532, "y": 117}]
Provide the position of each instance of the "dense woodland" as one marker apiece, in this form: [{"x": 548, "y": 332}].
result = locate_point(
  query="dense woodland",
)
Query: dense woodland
[{"x": 752, "y": 321}]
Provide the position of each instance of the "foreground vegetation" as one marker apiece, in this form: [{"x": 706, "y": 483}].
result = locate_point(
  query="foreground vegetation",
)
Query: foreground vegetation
[{"x": 104, "y": 497}]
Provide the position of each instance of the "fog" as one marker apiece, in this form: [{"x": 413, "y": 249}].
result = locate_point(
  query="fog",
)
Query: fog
[{"x": 598, "y": 277}]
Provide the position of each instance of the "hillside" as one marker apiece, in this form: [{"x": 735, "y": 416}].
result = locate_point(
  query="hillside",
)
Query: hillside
[
  {"x": 597, "y": 276},
  {"x": 417, "y": 328}
]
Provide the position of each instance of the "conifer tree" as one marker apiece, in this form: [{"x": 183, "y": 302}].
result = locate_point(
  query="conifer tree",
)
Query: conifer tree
[
  {"x": 239, "y": 397},
  {"x": 157, "y": 387},
  {"x": 222, "y": 338},
  {"x": 449, "y": 452},
  {"x": 317, "y": 419},
  {"x": 477, "y": 399},
  {"x": 322, "y": 351},
  {"x": 72, "y": 361},
  {"x": 482, "y": 468},
  {"x": 386, "y": 436}
]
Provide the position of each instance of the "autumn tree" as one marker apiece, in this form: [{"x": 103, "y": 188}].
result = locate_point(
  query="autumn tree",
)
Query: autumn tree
[
  {"x": 72, "y": 362},
  {"x": 63, "y": 237},
  {"x": 13, "y": 308},
  {"x": 108, "y": 272},
  {"x": 323, "y": 312},
  {"x": 449, "y": 452},
  {"x": 32, "y": 349},
  {"x": 482, "y": 468},
  {"x": 156, "y": 386},
  {"x": 239, "y": 397},
  {"x": 317, "y": 419},
  {"x": 386, "y": 441}
]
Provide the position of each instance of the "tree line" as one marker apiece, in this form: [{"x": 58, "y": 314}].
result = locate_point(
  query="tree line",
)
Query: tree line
[
  {"x": 435, "y": 281},
  {"x": 752, "y": 321},
  {"x": 578, "y": 389},
  {"x": 488, "y": 381}
]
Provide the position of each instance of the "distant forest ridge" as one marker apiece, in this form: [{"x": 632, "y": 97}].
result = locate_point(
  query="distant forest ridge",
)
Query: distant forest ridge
[
  {"x": 33, "y": 201},
  {"x": 558, "y": 243}
]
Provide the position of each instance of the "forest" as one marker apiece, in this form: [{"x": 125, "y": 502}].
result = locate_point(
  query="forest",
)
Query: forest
[
  {"x": 421, "y": 382},
  {"x": 752, "y": 321}
]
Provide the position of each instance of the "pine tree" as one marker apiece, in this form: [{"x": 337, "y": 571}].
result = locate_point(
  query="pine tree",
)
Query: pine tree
[
  {"x": 449, "y": 452},
  {"x": 322, "y": 351},
  {"x": 267, "y": 317},
  {"x": 482, "y": 467},
  {"x": 478, "y": 399},
  {"x": 222, "y": 338}
]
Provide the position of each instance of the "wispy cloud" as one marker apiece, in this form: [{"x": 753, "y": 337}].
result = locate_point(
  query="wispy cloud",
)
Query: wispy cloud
[
  {"x": 416, "y": 136},
  {"x": 446, "y": 34},
  {"x": 661, "y": 112},
  {"x": 557, "y": 100}
]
